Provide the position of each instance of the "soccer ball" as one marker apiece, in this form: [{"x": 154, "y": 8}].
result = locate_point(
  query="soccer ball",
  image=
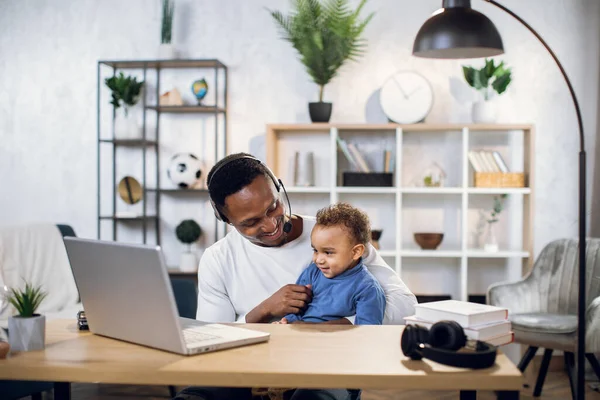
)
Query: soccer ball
[{"x": 186, "y": 171}]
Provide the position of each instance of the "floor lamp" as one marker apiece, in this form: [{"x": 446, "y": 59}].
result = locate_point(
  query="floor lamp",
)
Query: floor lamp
[{"x": 458, "y": 31}]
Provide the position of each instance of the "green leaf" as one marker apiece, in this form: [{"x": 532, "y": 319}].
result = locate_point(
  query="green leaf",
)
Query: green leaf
[
  {"x": 489, "y": 68},
  {"x": 501, "y": 83},
  {"x": 469, "y": 73},
  {"x": 26, "y": 301}
]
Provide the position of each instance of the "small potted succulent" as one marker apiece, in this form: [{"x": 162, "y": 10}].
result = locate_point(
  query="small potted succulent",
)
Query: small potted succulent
[
  {"x": 487, "y": 80},
  {"x": 27, "y": 329},
  {"x": 188, "y": 232}
]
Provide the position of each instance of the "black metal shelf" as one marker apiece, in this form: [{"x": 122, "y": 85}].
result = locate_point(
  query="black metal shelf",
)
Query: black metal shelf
[
  {"x": 188, "y": 109},
  {"x": 130, "y": 142},
  {"x": 162, "y": 64},
  {"x": 177, "y": 191},
  {"x": 116, "y": 218},
  {"x": 150, "y": 140}
]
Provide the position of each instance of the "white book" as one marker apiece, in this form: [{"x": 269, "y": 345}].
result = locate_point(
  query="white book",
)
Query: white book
[
  {"x": 501, "y": 340},
  {"x": 491, "y": 161},
  {"x": 500, "y": 162},
  {"x": 467, "y": 314},
  {"x": 358, "y": 157},
  {"x": 477, "y": 332},
  {"x": 481, "y": 161},
  {"x": 344, "y": 147},
  {"x": 474, "y": 162}
]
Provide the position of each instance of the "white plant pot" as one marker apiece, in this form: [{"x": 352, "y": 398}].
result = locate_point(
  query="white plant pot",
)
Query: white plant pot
[
  {"x": 127, "y": 127},
  {"x": 483, "y": 112},
  {"x": 27, "y": 334},
  {"x": 188, "y": 262},
  {"x": 166, "y": 51}
]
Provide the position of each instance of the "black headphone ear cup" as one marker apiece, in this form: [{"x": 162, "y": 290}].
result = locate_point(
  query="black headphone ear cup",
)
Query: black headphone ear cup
[
  {"x": 447, "y": 335},
  {"x": 411, "y": 339}
]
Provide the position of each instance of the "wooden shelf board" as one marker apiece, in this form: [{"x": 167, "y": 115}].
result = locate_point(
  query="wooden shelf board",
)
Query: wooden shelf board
[
  {"x": 431, "y": 190},
  {"x": 325, "y": 127},
  {"x": 366, "y": 189},
  {"x": 308, "y": 189},
  {"x": 116, "y": 218},
  {"x": 479, "y": 253},
  {"x": 431, "y": 253},
  {"x": 472, "y": 190},
  {"x": 136, "y": 64}
]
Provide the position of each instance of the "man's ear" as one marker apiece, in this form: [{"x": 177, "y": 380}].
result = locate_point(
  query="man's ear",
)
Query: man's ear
[{"x": 358, "y": 251}]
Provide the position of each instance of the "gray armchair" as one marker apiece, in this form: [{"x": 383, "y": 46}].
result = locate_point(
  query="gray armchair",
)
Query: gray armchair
[{"x": 543, "y": 306}]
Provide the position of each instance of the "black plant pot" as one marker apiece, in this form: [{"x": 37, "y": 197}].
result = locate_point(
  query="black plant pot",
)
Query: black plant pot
[{"x": 319, "y": 112}]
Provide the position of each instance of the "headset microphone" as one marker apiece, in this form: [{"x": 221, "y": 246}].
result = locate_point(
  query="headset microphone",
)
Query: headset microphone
[{"x": 287, "y": 227}]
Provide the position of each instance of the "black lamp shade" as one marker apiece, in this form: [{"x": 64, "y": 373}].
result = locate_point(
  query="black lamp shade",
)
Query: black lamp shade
[{"x": 457, "y": 31}]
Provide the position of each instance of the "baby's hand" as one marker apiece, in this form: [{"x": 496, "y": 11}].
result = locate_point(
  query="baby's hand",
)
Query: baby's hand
[{"x": 281, "y": 321}]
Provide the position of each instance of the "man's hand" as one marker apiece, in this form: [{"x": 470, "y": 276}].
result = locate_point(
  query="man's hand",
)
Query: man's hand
[{"x": 290, "y": 299}]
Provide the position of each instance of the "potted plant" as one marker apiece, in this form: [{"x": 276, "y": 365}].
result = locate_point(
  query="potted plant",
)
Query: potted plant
[
  {"x": 487, "y": 80},
  {"x": 491, "y": 243},
  {"x": 125, "y": 93},
  {"x": 188, "y": 232},
  {"x": 26, "y": 330},
  {"x": 166, "y": 49},
  {"x": 325, "y": 35}
]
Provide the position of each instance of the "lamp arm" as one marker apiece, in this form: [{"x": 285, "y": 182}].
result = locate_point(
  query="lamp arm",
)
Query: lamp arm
[
  {"x": 562, "y": 70},
  {"x": 581, "y": 307}
]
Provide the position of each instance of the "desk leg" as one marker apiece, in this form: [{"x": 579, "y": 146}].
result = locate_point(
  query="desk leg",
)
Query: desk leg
[
  {"x": 507, "y": 395},
  {"x": 62, "y": 391},
  {"x": 468, "y": 395}
]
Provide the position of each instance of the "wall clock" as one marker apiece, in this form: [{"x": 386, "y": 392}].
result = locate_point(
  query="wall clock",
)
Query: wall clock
[{"x": 406, "y": 97}]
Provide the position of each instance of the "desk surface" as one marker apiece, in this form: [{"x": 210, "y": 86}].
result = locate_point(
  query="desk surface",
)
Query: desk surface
[{"x": 325, "y": 356}]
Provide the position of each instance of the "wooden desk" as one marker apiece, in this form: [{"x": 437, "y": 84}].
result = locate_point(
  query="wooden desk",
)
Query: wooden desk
[{"x": 315, "y": 356}]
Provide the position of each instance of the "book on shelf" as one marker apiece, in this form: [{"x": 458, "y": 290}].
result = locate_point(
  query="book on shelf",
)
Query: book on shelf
[
  {"x": 467, "y": 314},
  {"x": 364, "y": 167},
  {"x": 487, "y": 161},
  {"x": 475, "y": 332}
]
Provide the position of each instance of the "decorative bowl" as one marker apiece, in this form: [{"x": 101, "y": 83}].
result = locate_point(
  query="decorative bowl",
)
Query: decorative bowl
[{"x": 428, "y": 240}]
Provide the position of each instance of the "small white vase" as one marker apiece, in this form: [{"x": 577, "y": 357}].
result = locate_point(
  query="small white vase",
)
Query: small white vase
[
  {"x": 166, "y": 51},
  {"x": 483, "y": 112},
  {"x": 491, "y": 243},
  {"x": 27, "y": 334},
  {"x": 188, "y": 262},
  {"x": 126, "y": 124}
]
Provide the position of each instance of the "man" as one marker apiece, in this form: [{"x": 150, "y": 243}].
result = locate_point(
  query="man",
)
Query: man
[{"x": 248, "y": 276}]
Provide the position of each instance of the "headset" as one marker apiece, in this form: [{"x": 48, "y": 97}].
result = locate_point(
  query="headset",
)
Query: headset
[
  {"x": 287, "y": 227},
  {"x": 441, "y": 344}
]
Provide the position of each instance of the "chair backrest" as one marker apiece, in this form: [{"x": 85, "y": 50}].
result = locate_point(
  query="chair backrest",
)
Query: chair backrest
[
  {"x": 186, "y": 297},
  {"x": 556, "y": 275}
]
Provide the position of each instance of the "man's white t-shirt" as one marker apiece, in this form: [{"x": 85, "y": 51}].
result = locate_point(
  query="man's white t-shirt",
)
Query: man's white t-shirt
[{"x": 236, "y": 275}]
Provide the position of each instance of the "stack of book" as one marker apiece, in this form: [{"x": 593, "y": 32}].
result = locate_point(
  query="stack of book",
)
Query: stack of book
[
  {"x": 487, "y": 161},
  {"x": 479, "y": 321}
]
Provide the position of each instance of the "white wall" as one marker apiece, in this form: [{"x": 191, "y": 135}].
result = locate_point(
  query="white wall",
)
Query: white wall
[{"x": 49, "y": 50}]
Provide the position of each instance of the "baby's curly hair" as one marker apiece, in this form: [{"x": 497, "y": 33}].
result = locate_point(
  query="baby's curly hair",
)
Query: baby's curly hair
[{"x": 354, "y": 221}]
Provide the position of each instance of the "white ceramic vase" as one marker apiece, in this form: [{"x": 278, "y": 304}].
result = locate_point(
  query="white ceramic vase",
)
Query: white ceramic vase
[
  {"x": 483, "y": 112},
  {"x": 166, "y": 51},
  {"x": 491, "y": 243},
  {"x": 188, "y": 262},
  {"x": 27, "y": 334},
  {"x": 126, "y": 124}
]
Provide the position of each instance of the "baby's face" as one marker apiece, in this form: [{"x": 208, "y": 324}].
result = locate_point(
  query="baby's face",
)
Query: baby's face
[{"x": 332, "y": 250}]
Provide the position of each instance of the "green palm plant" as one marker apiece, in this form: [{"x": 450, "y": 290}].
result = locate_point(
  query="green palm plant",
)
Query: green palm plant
[
  {"x": 27, "y": 300},
  {"x": 325, "y": 34}
]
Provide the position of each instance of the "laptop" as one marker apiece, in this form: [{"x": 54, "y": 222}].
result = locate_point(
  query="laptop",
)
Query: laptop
[{"x": 127, "y": 295}]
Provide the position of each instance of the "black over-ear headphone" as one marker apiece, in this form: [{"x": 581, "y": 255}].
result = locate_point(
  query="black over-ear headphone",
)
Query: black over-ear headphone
[
  {"x": 441, "y": 343},
  {"x": 287, "y": 227}
]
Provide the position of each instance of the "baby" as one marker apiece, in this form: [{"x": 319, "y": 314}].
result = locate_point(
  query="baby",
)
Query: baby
[{"x": 341, "y": 285}]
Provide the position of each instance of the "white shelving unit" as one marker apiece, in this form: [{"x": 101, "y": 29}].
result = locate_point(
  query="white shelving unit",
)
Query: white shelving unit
[{"x": 459, "y": 267}]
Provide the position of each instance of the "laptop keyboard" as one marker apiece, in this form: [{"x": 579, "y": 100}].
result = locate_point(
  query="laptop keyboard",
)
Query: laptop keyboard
[{"x": 193, "y": 335}]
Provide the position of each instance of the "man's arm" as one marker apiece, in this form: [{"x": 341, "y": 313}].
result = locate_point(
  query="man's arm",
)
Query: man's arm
[
  {"x": 214, "y": 304},
  {"x": 400, "y": 301}
]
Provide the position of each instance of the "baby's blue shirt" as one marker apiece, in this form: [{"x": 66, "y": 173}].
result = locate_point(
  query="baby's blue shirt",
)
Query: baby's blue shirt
[{"x": 353, "y": 292}]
